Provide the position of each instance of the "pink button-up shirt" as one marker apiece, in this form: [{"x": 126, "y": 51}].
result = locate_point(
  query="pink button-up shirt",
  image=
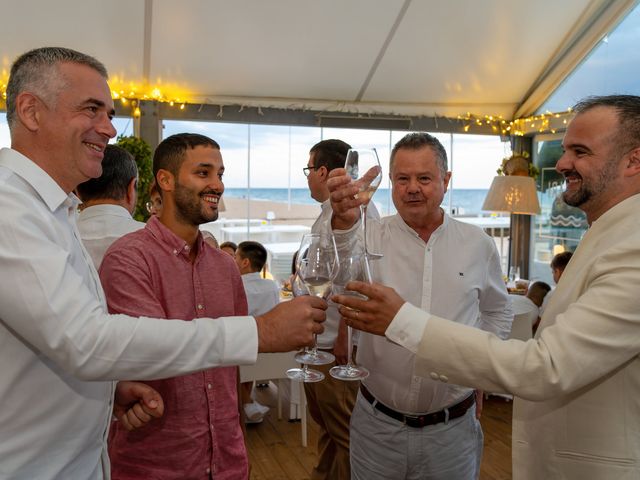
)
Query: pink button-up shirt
[{"x": 148, "y": 273}]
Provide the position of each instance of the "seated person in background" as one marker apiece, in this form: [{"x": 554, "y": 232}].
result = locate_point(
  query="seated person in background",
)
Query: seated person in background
[
  {"x": 108, "y": 203},
  {"x": 154, "y": 205},
  {"x": 262, "y": 296},
  {"x": 229, "y": 247},
  {"x": 558, "y": 263},
  {"x": 532, "y": 301}
]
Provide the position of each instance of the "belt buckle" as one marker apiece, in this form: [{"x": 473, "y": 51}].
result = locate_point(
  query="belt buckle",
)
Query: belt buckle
[{"x": 415, "y": 421}]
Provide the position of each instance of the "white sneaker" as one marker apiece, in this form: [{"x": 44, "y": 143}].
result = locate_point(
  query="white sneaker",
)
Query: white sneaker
[{"x": 254, "y": 412}]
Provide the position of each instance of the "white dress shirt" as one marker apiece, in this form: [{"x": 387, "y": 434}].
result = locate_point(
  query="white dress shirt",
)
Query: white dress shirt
[
  {"x": 456, "y": 275},
  {"x": 523, "y": 304},
  {"x": 101, "y": 225},
  {"x": 60, "y": 350},
  {"x": 262, "y": 294}
]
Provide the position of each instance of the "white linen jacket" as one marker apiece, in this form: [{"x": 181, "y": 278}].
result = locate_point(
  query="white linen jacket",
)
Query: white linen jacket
[{"x": 577, "y": 384}]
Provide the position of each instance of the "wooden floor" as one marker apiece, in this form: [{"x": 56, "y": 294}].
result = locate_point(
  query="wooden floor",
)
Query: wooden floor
[{"x": 276, "y": 452}]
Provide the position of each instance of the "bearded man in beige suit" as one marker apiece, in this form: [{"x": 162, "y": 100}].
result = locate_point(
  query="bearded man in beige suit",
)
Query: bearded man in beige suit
[{"x": 577, "y": 383}]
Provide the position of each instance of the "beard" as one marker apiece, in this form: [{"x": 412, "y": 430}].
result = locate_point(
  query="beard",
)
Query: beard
[
  {"x": 590, "y": 189},
  {"x": 189, "y": 207}
]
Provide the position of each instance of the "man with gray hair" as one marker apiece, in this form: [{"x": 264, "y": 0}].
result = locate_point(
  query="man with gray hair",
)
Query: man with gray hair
[
  {"x": 108, "y": 203},
  {"x": 404, "y": 424},
  {"x": 60, "y": 350}
]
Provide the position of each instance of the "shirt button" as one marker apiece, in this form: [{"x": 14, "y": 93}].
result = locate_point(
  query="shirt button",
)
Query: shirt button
[
  {"x": 175, "y": 252},
  {"x": 434, "y": 376},
  {"x": 200, "y": 306},
  {"x": 444, "y": 378},
  {"x": 208, "y": 471},
  {"x": 211, "y": 426},
  {"x": 209, "y": 386},
  {"x": 186, "y": 247}
]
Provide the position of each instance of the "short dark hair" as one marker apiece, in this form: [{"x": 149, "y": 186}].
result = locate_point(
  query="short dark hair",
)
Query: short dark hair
[
  {"x": 118, "y": 169},
  {"x": 230, "y": 245},
  {"x": 169, "y": 154},
  {"x": 540, "y": 286},
  {"x": 561, "y": 260},
  {"x": 255, "y": 252},
  {"x": 416, "y": 141},
  {"x": 37, "y": 71},
  {"x": 330, "y": 154},
  {"x": 627, "y": 136}
]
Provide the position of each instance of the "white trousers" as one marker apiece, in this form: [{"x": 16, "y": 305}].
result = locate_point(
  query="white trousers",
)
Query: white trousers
[{"x": 383, "y": 448}]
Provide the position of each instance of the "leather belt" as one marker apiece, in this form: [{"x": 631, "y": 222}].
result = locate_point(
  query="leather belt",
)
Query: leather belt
[{"x": 419, "y": 421}]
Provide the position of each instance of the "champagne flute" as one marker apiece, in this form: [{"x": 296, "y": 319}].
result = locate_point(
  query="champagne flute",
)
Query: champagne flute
[
  {"x": 363, "y": 166},
  {"x": 353, "y": 267},
  {"x": 316, "y": 267}
]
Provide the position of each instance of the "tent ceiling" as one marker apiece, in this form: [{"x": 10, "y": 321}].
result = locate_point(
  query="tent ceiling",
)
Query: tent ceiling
[{"x": 404, "y": 57}]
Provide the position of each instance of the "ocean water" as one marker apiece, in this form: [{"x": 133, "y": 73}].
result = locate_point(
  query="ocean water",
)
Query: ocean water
[{"x": 463, "y": 201}]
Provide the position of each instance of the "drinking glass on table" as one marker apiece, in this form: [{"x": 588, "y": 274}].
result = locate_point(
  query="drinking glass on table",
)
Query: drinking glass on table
[
  {"x": 316, "y": 266},
  {"x": 352, "y": 267},
  {"x": 363, "y": 166}
]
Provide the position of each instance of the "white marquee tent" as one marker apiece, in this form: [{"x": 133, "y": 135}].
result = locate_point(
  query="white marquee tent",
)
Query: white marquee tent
[{"x": 428, "y": 58}]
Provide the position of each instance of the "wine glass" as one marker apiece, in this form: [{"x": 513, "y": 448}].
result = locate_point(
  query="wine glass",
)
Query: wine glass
[
  {"x": 353, "y": 267},
  {"x": 363, "y": 166},
  {"x": 316, "y": 266}
]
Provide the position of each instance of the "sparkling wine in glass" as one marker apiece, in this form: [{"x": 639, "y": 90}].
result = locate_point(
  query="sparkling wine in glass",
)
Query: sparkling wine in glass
[
  {"x": 353, "y": 267},
  {"x": 363, "y": 166},
  {"x": 316, "y": 266}
]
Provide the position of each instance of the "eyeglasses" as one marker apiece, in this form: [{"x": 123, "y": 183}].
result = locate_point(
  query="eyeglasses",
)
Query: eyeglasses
[{"x": 306, "y": 170}]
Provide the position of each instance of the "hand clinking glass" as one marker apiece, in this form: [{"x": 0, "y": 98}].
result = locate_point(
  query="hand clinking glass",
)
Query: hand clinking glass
[{"x": 353, "y": 267}]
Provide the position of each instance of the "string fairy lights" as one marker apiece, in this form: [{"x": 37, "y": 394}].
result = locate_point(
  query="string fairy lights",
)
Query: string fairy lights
[{"x": 130, "y": 94}]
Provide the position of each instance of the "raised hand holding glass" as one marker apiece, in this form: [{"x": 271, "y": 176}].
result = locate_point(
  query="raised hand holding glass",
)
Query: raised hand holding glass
[{"x": 363, "y": 166}]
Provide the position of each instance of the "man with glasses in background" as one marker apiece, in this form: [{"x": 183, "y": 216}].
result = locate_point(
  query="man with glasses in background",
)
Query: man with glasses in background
[{"x": 330, "y": 401}]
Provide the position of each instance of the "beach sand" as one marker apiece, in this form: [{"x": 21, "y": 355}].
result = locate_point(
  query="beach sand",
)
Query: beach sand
[{"x": 284, "y": 213}]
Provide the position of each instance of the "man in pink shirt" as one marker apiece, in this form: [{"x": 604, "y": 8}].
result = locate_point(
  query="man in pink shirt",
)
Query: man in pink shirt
[{"x": 167, "y": 271}]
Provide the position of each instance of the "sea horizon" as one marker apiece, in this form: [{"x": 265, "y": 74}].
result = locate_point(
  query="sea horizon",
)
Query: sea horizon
[{"x": 462, "y": 201}]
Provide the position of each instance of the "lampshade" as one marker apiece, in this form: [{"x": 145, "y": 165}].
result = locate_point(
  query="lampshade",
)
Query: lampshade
[{"x": 513, "y": 194}]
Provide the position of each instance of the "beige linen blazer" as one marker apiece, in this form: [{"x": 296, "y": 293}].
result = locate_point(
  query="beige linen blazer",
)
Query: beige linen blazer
[{"x": 577, "y": 384}]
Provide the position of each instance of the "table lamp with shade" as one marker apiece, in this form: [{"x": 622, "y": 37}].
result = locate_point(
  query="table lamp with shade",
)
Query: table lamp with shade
[{"x": 514, "y": 193}]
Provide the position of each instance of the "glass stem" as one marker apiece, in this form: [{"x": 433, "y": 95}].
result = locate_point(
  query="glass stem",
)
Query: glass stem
[
  {"x": 314, "y": 349},
  {"x": 349, "y": 347},
  {"x": 363, "y": 214}
]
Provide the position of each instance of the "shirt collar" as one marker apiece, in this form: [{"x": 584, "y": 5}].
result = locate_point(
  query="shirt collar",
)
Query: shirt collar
[
  {"x": 49, "y": 191},
  {"x": 173, "y": 242},
  {"x": 445, "y": 222},
  {"x": 105, "y": 209},
  {"x": 252, "y": 276}
]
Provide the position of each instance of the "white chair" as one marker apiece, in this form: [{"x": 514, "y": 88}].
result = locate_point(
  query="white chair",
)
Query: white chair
[{"x": 272, "y": 366}]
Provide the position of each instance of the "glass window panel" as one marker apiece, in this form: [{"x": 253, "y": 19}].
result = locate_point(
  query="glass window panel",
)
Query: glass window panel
[
  {"x": 124, "y": 127},
  {"x": 473, "y": 162},
  {"x": 559, "y": 227}
]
